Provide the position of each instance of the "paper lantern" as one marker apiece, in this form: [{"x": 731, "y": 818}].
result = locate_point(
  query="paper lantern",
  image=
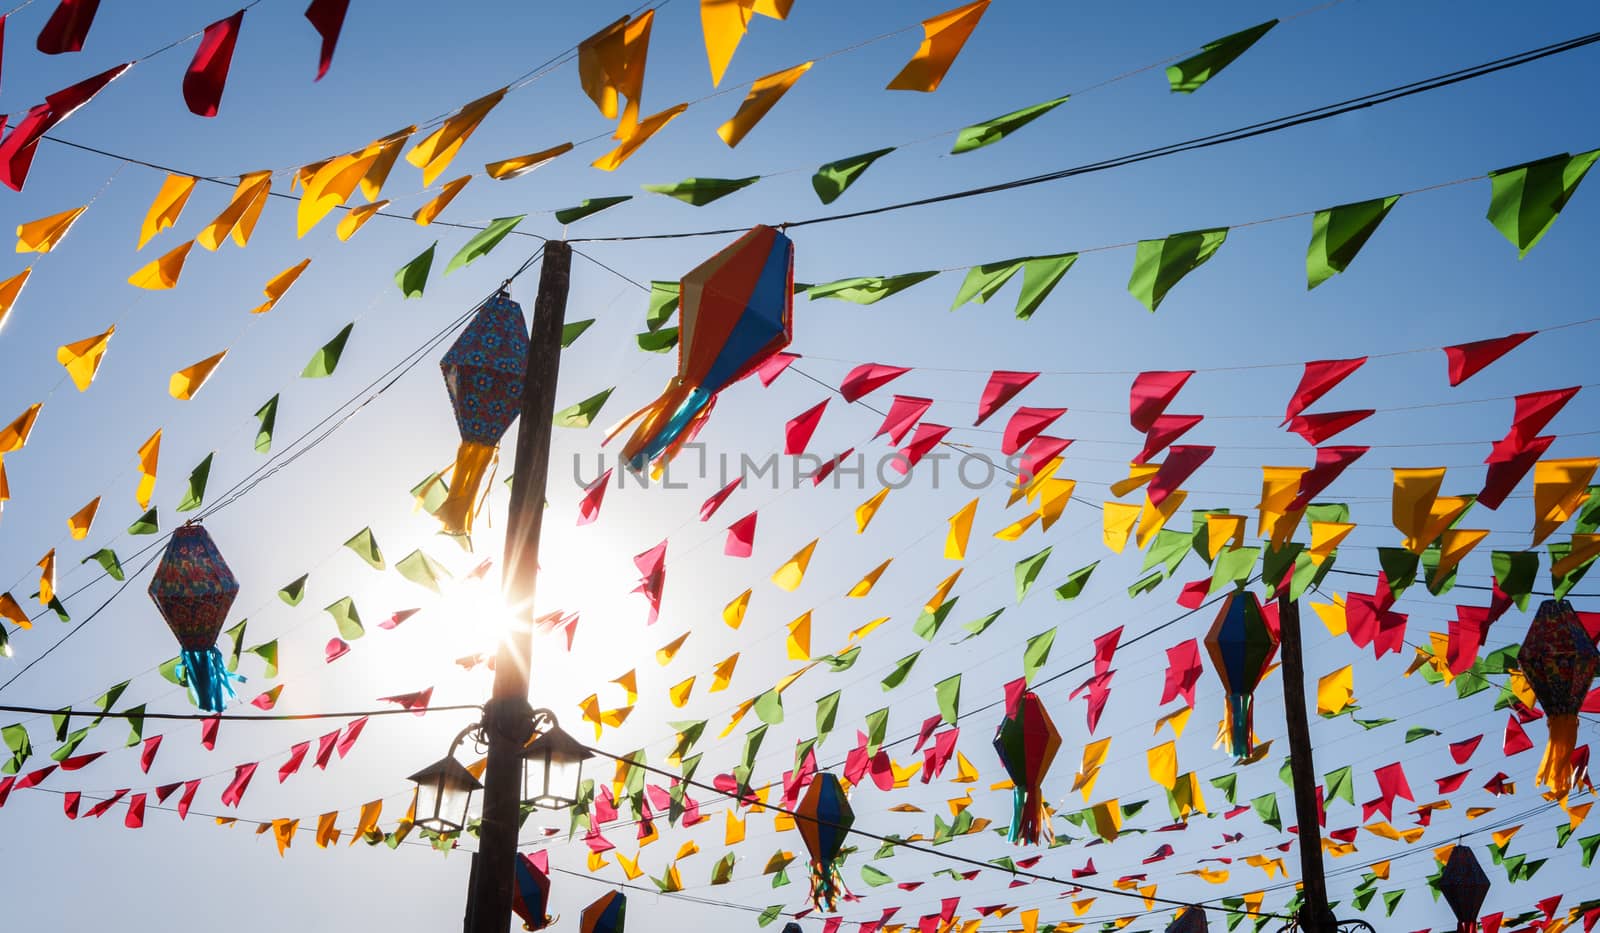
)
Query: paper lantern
[
  {"x": 1242, "y": 647},
  {"x": 483, "y": 371},
  {"x": 1190, "y": 920},
  {"x": 735, "y": 312},
  {"x": 531, "y": 895},
  {"x": 824, "y": 820},
  {"x": 605, "y": 915},
  {"x": 193, "y": 590},
  {"x": 1464, "y": 886},
  {"x": 1559, "y": 660},
  {"x": 1027, "y": 741}
]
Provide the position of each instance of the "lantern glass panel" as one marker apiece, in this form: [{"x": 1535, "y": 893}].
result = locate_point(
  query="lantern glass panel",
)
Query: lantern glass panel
[{"x": 552, "y": 768}]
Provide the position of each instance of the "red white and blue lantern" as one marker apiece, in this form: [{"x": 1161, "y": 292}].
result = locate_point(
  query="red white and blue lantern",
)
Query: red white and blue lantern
[{"x": 193, "y": 589}]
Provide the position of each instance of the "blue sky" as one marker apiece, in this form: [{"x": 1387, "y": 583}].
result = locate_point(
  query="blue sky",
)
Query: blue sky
[{"x": 1435, "y": 273}]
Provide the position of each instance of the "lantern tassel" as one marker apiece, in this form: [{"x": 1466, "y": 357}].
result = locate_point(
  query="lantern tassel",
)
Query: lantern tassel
[
  {"x": 826, "y": 885},
  {"x": 472, "y": 462},
  {"x": 1467, "y": 926},
  {"x": 662, "y": 424},
  {"x": 210, "y": 681},
  {"x": 1029, "y": 822},
  {"x": 1239, "y": 725},
  {"x": 1555, "y": 771}
]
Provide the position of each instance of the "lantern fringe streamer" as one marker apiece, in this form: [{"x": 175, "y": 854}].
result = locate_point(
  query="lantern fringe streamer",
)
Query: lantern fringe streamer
[
  {"x": 664, "y": 425},
  {"x": 1029, "y": 821},
  {"x": 1555, "y": 770},
  {"x": 472, "y": 462},
  {"x": 210, "y": 681},
  {"x": 1239, "y": 725},
  {"x": 826, "y": 885}
]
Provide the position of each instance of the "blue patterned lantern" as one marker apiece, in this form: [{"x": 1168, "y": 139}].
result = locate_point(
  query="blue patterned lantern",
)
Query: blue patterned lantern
[
  {"x": 483, "y": 371},
  {"x": 193, "y": 589}
]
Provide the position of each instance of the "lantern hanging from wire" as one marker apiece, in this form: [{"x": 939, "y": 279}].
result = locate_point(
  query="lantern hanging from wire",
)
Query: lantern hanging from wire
[
  {"x": 1464, "y": 886},
  {"x": 193, "y": 590},
  {"x": 605, "y": 915},
  {"x": 1559, "y": 660},
  {"x": 1027, "y": 741},
  {"x": 1242, "y": 647},
  {"x": 824, "y": 821},
  {"x": 531, "y": 895},
  {"x": 484, "y": 371},
  {"x": 1191, "y": 919},
  {"x": 735, "y": 312}
]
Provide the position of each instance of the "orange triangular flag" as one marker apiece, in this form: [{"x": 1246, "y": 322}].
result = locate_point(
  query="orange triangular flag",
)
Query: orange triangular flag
[
  {"x": 641, "y": 134},
  {"x": 506, "y": 169},
  {"x": 42, "y": 235},
  {"x": 162, "y": 273},
  {"x": 426, "y": 213},
  {"x": 279, "y": 285},
  {"x": 943, "y": 37},
  {"x": 764, "y": 94},
  {"x": 187, "y": 381},
  {"x": 351, "y": 222},
  {"x": 167, "y": 206},
  {"x": 238, "y": 219},
  {"x": 10, "y": 289},
  {"x": 434, "y": 154},
  {"x": 82, "y": 357},
  {"x": 80, "y": 521},
  {"x": 14, "y": 436}
]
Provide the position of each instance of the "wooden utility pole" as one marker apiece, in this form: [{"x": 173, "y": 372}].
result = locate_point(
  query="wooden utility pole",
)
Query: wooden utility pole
[
  {"x": 508, "y": 716},
  {"x": 1315, "y": 917}
]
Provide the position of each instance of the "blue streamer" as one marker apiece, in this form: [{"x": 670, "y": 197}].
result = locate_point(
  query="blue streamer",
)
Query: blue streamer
[{"x": 210, "y": 681}]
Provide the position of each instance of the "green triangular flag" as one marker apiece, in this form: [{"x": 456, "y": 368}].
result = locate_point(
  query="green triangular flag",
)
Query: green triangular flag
[
  {"x": 582, "y": 414},
  {"x": 874, "y": 878},
  {"x": 866, "y": 290},
  {"x": 1145, "y": 584},
  {"x": 267, "y": 415},
  {"x": 992, "y": 131},
  {"x": 663, "y": 302},
  {"x": 877, "y": 729},
  {"x": 571, "y": 332},
  {"x": 928, "y": 623},
  {"x": 146, "y": 524},
  {"x": 1337, "y": 235},
  {"x": 366, "y": 548},
  {"x": 1189, "y": 75},
  {"x": 1266, "y": 807},
  {"x": 483, "y": 241},
  {"x": 1559, "y": 551},
  {"x": 769, "y": 707},
  {"x": 107, "y": 559},
  {"x": 983, "y": 282},
  {"x": 827, "y": 713},
  {"x": 979, "y": 626},
  {"x": 412, "y": 278},
  {"x": 1340, "y": 785},
  {"x": 326, "y": 360},
  {"x": 660, "y": 341},
  {"x": 843, "y": 661},
  {"x": 1228, "y": 784},
  {"x": 1399, "y": 567},
  {"x": 947, "y": 693},
  {"x": 268, "y": 652},
  {"x": 1168, "y": 550},
  {"x": 1075, "y": 582},
  {"x": 1515, "y": 572},
  {"x": 902, "y": 668},
  {"x": 59, "y": 610},
  {"x": 135, "y": 718},
  {"x": 1027, "y": 570},
  {"x": 589, "y": 206},
  {"x": 1036, "y": 653},
  {"x": 1233, "y": 568},
  {"x": 833, "y": 179},
  {"x": 1589, "y": 844},
  {"x": 347, "y": 618},
  {"x": 422, "y": 570},
  {"x": 1527, "y": 198},
  {"x": 769, "y": 915},
  {"x": 73, "y": 741},
  {"x": 236, "y": 639},
  {"x": 702, "y": 191},
  {"x": 722, "y": 872},
  {"x": 1161, "y": 264},
  {"x": 171, "y": 671},
  {"x": 1039, "y": 277},
  {"x": 1420, "y": 732},
  {"x": 295, "y": 591},
  {"x": 431, "y": 493},
  {"x": 195, "y": 495}
]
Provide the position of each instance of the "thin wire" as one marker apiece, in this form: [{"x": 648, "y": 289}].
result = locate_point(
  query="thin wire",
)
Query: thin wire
[
  {"x": 1314, "y": 115},
  {"x": 234, "y": 717}
]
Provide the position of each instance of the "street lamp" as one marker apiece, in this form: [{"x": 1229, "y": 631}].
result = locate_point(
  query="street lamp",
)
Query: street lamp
[
  {"x": 444, "y": 790},
  {"x": 552, "y": 765}
]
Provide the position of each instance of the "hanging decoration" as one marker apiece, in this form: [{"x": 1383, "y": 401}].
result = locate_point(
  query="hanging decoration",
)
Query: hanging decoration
[
  {"x": 1242, "y": 647},
  {"x": 193, "y": 590},
  {"x": 1027, "y": 741},
  {"x": 736, "y": 310},
  {"x": 1559, "y": 660},
  {"x": 483, "y": 372},
  {"x": 605, "y": 915},
  {"x": 824, "y": 821},
  {"x": 531, "y": 894},
  {"x": 1464, "y": 886}
]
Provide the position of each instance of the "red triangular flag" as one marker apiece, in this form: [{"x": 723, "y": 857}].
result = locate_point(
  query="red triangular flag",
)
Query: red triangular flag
[
  {"x": 867, "y": 378},
  {"x": 1003, "y": 387},
  {"x": 1462, "y": 750},
  {"x": 927, "y": 437},
  {"x": 325, "y": 746},
  {"x": 1163, "y": 431},
  {"x": 416, "y": 701},
  {"x": 652, "y": 565},
  {"x": 1041, "y": 450},
  {"x": 1534, "y": 411},
  {"x": 208, "y": 731},
  {"x": 593, "y": 495},
  {"x": 1319, "y": 377},
  {"x": 1503, "y": 476},
  {"x": 297, "y": 755},
  {"x": 826, "y": 470},
  {"x": 741, "y": 537},
  {"x": 1331, "y": 461},
  {"x": 208, "y": 71},
  {"x": 1180, "y": 464},
  {"x": 67, "y": 27},
  {"x": 797, "y": 433},
  {"x": 1183, "y": 670},
  {"x": 1025, "y": 425},
  {"x": 135, "y": 817},
  {"x": 16, "y": 151},
  {"x": 147, "y": 754},
  {"x": 234, "y": 792},
  {"x": 336, "y": 649},
  {"x": 79, "y": 762},
  {"x": 710, "y": 506},
  {"x": 1318, "y": 428},
  {"x": 34, "y": 778},
  {"x": 1151, "y": 394},
  {"x": 1105, "y": 647},
  {"x": 904, "y": 412},
  {"x": 189, "y": 788},
  {"x": 773, "y": 366},
  {"x": 1468, "y": 359},
  {"x": 99, "y": 809},
  {"x": 353, "y": 731},
  {"x": 327, "y": 17},
  {"x": 1516, "y": 739}
]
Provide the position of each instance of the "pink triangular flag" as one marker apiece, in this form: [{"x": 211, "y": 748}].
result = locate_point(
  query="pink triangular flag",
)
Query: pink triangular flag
[
  {"x": 1180, "y": 464},
  {"x": 773, "y": 366},
  {"x": 797, "y": 433},
  {"x": 1003, "y": 387},
  {"x": 1331, "y": 461},
  {"x": 927, "y": 437},
  {"x": 867, "y": 378},
  {"x": 1468, "y": 359},
  {"x": 710, "y": 506},
  {"x": 1151, "y": 394},
  {"x": 1317, "y": 428},
  {"x": 1041, "y": 450},
  {"x": 1163, "y": 432},
  {"x": 1025, "y": 425},
  {"x": 593, "y": 495},
  {"x": 1534, "y": 410},
  {"x": 1319, "y": 378},
  {"x": 741, "y": 537},
  {"x": 904, "y": 412}
]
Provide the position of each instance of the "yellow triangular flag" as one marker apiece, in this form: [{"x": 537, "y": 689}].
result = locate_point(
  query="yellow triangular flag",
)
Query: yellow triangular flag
[
  {"x": 187, "y": 381},
  {"x": 384, "y": 152},
  {"x": 162, "y": 273},
  {"x": 1414, "y": 492},
  {"x": 799, "y": 642},
  {"x": 629, "y": 683},
  {"x": 1326, "y": 536},
  {"x": 11, "y": 612},
  {"x": 1584, "y": 549},
  {"x": 279, "y": 285},
  {"x": 1279, "y": 487},
  {"x": 80, "y": 521},
  {"x": 955, "y": 543},
  {"x": 1336, "y": 691},
  {"x": 367, "y": 821},
  {"x": 47, "y": 577},
  {"x": 238, "y": 219},
  {"x": 1559, "y": 490},
  {"x": 1053, "y": 498},
  {"x": 357, "y": 216},
  {"x": 866, "y": 510},
  {"x": 723, "y": 672},
  {"x": 1018, "y": 528},
  {"x": 1154, "y": 519},
  {"x": 82, "y": 357},
  {"x": 10, "y": 289},
  {"x": 1163, "y": 764},
  {"x": 149, "y": 456},
  {"x": 1455, "y": 544},
  {"x": 611, "y": 67},
  {"x": 330, "y": 186},
  {"x": 941, "y": 592},
  {"x": 866, "y": 629},
  {"x": 943, "y": 37},
  {"x": 327, "y": 829},
  {"x": 667, "y": 652},
  {"x": 42, "y": 235},
  {"x": 1332, "y": 615},
  {"x": 1118, "y": 519},
  {"x": 521, "y": 165},
  {"x": 164, "y": 210},
  {"x": 679, "y": 693},
  {"x": 1177, "y": 719},
  {"x": 283, "y": 831},
  {"x": 733, "y": 612},
  {"x": 426, "y": 213},
  {"x": 437, "y": 149},
  {"x": 764, "y": 93},
  {"x": 789, "y": 576},
  {"x": 641, "y": 134},
  {"x": 1223, "y": 531},
  {"x": 866, "y": 583},
  {"x": 14, "y": 436}
]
